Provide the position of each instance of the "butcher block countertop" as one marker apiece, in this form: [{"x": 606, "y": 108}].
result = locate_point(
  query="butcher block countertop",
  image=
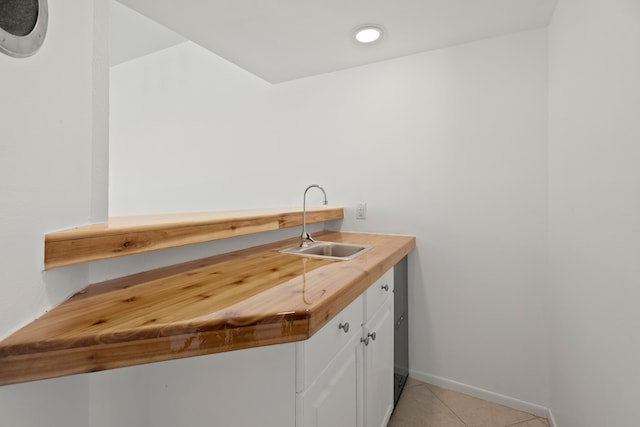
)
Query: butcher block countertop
[
  {"x": 247, "y": 298},
  {"x": 129, "y": 235}
]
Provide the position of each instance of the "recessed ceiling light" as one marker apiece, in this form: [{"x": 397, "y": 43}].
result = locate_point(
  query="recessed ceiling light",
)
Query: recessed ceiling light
[{"x": 368, "y": 33}]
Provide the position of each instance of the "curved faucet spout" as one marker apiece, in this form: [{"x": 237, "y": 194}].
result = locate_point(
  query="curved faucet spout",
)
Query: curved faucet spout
[{"x": 306, "y": 237}]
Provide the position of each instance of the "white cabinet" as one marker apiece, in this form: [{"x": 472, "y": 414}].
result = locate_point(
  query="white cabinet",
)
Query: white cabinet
[
  {"x": 378, "y": 352},
  {"x": 344, "y": 373},
  {"x": 243, "y": 388},
  {"x": 315, "y": 354},
  {"x": 378, "y": 367},
  {"x": 333, "y": 399},
  {"x": 377, "y": 294},
  {"x": 328, "y": 372}
]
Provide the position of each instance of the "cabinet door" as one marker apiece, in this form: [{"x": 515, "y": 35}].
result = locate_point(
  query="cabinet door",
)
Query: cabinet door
[
  {"x": 378, "y": 364},
  {"x": 315, "y": 354},
  {"x": 333, "y": 399}
]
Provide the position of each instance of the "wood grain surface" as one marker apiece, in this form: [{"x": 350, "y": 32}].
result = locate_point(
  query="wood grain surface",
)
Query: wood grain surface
[
  {"x": 241, "y": 299},
  {"x": 128, "y": 235}
]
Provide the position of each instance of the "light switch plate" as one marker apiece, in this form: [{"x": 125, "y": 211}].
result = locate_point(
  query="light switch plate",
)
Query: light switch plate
[{"x": 361, "y": 210}]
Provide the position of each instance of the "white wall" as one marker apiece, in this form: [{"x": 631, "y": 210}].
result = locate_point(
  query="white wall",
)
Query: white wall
[
  {"x": 594, "y": 212},
  {"x": 48, "y": 111},
  {"x": 45, "y": 145},
  {"x": 447, "y": 145}
]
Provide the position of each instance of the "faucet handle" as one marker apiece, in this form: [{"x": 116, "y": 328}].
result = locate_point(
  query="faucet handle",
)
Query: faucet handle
[{"x": 305, "y": 239}]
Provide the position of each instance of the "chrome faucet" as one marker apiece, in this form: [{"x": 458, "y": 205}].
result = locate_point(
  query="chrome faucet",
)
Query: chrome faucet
[{"x": 306, "y": 237}]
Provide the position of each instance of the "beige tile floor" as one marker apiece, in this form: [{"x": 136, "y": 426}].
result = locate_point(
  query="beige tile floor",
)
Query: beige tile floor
[{"x": 425, "y": 405}]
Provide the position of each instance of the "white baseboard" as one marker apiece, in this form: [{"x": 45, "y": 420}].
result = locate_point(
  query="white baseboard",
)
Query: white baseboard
[
  {"x": 552, "y": 421},
  {"x": 511, "y": 402}
]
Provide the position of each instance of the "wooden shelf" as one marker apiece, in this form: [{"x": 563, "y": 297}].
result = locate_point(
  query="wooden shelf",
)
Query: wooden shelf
[
  {"x": 247, "y": 298},
  {"x": 128, "y": 235}
]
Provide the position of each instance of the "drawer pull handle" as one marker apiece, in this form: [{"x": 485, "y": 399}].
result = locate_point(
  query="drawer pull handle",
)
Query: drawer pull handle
[
  {"x": 385, "y": 287},
  {"x": 344, "y": 326},
  {"x": 365, "y": 340}
]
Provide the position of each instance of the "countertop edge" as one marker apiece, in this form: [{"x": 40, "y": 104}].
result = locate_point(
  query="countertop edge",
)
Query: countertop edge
[{"x": 123, "y": 236}]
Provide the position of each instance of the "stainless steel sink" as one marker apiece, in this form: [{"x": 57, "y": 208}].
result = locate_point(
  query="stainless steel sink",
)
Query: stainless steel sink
[{"x": 329, "y": 250}]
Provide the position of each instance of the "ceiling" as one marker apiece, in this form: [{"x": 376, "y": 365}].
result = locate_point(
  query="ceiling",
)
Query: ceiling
[
  {"x": 132, "y": 35},
  {"x": 280, "y": 40}
]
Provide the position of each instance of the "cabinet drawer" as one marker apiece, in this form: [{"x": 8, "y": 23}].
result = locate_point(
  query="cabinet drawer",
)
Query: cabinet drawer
[
  {"x": 314, "y": 354},
  {"x": 377, "y": 294}
]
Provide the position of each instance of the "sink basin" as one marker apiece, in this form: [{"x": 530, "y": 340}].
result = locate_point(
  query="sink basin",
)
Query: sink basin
[{"x": 329, "y": 250}]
